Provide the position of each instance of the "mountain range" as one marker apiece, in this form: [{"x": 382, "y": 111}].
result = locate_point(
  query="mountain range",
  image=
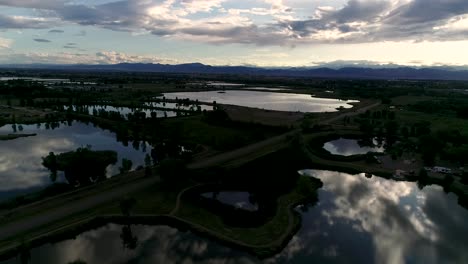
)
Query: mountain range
[{"x": 387, "y": 73}]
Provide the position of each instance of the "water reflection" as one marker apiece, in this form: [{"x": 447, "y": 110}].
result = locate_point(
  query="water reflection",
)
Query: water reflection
[
  {"x": 124, "y": 111},
  {"x": 361, "y": 220},
  {"x": 20, "y": 162},
  {"x": 349, "y": 147},
  {"x": 357, "y": 220},
  {"x": 156, "y": 244},
  {"x": 180, "y": 106},
  {"x": 242, "y": 200},
  {"x": 266, "y": 100}
]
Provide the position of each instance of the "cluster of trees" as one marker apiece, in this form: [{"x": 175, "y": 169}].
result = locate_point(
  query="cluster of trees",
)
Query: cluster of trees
[
  {"x": 446, "y": 144},
  {"x": 82, "y": 166},
  {"x": 379, "y": 123},
  {"x": 446, "y": 106}
]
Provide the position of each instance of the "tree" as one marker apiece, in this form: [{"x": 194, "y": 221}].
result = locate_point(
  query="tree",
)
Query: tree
[
  {"x": 126, "y": 166},
  {"x": 82, "y": 166},
  {"x": 129, "y": 240},
  {"x": 422, "y": 179},
  {"x": 51, "y": 162},
  {"x": 148, "y": 165},
  {"x": 126, "y": 205}
]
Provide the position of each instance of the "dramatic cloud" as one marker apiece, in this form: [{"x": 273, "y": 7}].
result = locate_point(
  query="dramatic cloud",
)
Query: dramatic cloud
[
  {"x": 20, "y": 22},
  {"x": 212, "y": 21},
  {"x": 102, "y": 57}
]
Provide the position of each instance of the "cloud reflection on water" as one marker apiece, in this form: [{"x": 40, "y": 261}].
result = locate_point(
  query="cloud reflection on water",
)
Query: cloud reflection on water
[
  {"x": 357, "y": 220},
  {"x": 21, "y": 163}
]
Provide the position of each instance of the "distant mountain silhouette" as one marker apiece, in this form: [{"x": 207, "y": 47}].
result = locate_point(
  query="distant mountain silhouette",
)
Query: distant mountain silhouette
[{"x": 408, "y": 73}]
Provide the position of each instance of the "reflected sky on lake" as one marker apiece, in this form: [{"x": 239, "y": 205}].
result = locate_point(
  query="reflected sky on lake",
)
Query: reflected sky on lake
[
  {"x": 349, "y": 147},
  {"x": 361, "y": 220},
  {"x": 124, "y": 111},
  {"x": 357, "y": 220},
  {"x": 266, "y": 100},
  {"x": 20, "y": 159},
  {"x": 156, "y": 244}
]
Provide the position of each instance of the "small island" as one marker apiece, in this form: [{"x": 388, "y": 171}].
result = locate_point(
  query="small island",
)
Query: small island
[{"x": 81, "y": 167}]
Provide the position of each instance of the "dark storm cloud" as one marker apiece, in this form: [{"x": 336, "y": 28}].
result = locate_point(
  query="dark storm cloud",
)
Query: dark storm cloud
[{"x": 427, "y": 11}]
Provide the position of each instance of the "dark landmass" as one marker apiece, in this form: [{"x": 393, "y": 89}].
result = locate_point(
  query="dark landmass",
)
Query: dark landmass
[
  {"x": 397, "y": 73},
  {"x": 15, "y": 136}
]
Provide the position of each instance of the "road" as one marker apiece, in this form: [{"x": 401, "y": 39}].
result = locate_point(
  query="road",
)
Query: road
[
  {"x": 223, "y": 158},
  {"x": 68, "y": 209},
  {"x": 353, "y": 113},
  {"x": 89, "y": 198}
]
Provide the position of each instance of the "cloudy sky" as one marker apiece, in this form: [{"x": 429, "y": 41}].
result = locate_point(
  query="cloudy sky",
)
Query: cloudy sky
[{"x": 235, "y": 32}]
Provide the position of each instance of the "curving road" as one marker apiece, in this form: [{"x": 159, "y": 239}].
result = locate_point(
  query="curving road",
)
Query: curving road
[{"x": 52, "y": 210}]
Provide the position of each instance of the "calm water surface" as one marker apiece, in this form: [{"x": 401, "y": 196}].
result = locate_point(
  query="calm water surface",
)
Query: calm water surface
[
  {"x": 357, "y": 220},
  {"x": 124, "y": 111},
  {"x": 20, "y": 159},
  {"x": 266, "y": 100},
  {"x": 237, "y": 199},
  {"x": 349, "y": 147},
  {"x": 168, "y": 105}
]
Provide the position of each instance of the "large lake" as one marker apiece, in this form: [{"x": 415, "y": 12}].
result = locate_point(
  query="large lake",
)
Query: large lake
[
  {"x": 125, "y": 111},
  {"x": 20, "y": 159},
  {"x": 267, "y": 100},
  {"x": 357, "y": 220}
]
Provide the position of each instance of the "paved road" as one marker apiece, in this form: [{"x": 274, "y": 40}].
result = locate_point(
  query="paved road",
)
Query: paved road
[
  {"x": 11, "y": 229},
  {"x": 71, "y": 208},
  {"x": 241, "y": 152},
  {"x": 353, "y": 113}
]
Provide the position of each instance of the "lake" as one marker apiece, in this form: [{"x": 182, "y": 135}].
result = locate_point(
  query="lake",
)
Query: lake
[
  {"x": 349, "y": 147},
  {"x": 124, "y": 111},
  {"x": 20, "y": 160},
  {"x": 168, "y": 105},
  {"x": 33, "y": 79},
  {"x": 357, "y": 220},
  {"x": 266, "y": 89},
  {"x": 267, "y": 100}
]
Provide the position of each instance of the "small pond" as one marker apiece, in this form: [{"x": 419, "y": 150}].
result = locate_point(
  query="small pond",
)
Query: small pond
[
  {"x": 267, "y": 100},
  {"x": 20, "y": 160},
  {"x": 349, "y": 147},
  {"x": 240, "y": 200},
  {"x": 357, "y": 220}
]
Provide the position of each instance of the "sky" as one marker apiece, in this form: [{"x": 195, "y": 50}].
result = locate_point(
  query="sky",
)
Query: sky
[{"x": 264, "y": 33}]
